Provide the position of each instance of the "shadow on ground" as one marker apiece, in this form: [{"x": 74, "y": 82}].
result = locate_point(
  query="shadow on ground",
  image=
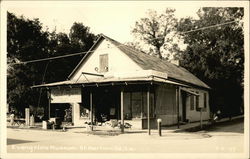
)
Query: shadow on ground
[
  {"x": 233, "y": 126},
  {"x": 111, "y": 132},
  {"x": 15, "y": 141}
]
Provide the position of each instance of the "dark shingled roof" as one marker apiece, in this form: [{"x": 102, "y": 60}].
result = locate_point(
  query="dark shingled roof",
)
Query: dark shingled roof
[{"x": 148, "y": 62}]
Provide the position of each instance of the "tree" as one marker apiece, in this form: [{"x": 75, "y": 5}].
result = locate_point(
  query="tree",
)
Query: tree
[
  {"x": 27, "y": 41},
  {"x": 158, "y": 32},
  {"x": 216, "y": 55},
  {"x": 81, "y": 37},
  {"x": 58, "y": 70}
]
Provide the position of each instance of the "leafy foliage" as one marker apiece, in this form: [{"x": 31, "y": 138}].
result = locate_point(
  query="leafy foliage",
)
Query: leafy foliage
[
  {"x": 158, "y": 32},
  {"x": 81, "y": 37},
  {"x": 27, "y": 41},
  {"x": 216, "y": 55}
]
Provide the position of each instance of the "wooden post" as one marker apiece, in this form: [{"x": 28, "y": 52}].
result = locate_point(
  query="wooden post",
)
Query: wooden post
[
  {"x": 142, "y": 104},
  {"x": 91, "y": 111},
  {"x": 76, "y": 113},
  {"x": 122, "y": 112},
  {"x": 27, "y": 116},
  {"x": 49, "y": 110},
  {"x": 178, "y": 105},
  {"x": 49, "y": 102},
  {"x": 176, "y": 101},
  {"x": 159, "y": 126},
  {"x": 201, "y": 117},
  {"x": 148, "y": 109}
]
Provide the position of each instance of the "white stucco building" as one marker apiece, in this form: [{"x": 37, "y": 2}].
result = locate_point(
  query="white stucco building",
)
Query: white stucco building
[{"x": 130, "y": 86}]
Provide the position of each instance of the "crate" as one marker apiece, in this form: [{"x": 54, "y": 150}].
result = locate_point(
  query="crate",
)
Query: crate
[{"x": 57, "y": 122}]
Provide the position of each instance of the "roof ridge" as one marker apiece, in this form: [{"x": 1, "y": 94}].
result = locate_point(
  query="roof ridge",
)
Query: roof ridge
[
  {"x": 146, "y": 61},
  {"x": 136, "y": 50}
]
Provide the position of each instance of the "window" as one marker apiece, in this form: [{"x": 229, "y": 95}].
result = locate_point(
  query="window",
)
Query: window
[
  {"x": 197, "y": 101},
  {"x": 151, "y": 105},
  {"x": 205, "y": 100},
  {"x": 127, "y": 106},
  {"x": 192, "y": 102},
  {"x": 136, "y": 104},
  {"x": 103, "y": 63}
]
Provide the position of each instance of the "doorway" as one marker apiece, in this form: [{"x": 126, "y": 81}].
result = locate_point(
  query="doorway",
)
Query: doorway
[
  {"x": 58, "y": 110},
  {"x": 106, "y": 103}
]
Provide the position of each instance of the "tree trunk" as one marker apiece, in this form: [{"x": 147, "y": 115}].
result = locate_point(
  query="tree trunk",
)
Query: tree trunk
[{"x": 158, "y": 53}]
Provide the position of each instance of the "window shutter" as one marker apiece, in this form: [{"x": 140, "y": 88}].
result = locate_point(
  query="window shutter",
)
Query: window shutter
[
  {"x": 191, "y": 102},
  {"x": 104, "y": 63},
  {"x": 197, "y": 102},
  {"x": 205, "y": 100}
]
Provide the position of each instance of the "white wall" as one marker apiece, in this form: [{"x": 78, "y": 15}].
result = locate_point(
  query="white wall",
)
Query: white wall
[
  {"x": 120, "y": 62},
  {"x": 66, "y": 95},
  {"x": 166, "y": 100},
  {"x": 166, "y": 104},
  {"x": 194, "y": 115},
  {"x": 75, "y": 113},
  {"x": 117, "y": 60}
]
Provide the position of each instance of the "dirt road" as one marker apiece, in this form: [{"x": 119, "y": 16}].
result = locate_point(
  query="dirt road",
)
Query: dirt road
[{"x": 224, "y": 138}]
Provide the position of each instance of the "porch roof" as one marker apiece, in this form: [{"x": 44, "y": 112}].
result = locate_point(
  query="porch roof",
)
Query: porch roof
[{"x": 110, "y": 80}]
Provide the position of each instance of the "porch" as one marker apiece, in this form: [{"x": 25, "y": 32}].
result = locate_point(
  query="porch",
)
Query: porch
[
  {"x": 113, "y": 106},
  {"x": 123, "y": 102}
]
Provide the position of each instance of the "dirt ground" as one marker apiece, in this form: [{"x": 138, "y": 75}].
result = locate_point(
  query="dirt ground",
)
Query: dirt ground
[{"x": 222, "y": 138}]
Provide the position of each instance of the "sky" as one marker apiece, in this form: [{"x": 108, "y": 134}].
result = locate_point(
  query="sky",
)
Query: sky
[{"x": 114, "y": 19}]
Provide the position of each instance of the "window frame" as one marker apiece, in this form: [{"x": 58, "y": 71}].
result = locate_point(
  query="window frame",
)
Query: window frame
[
  {"x": 103, "y": 68},
  {"x": 205, "y": 99},
  {"x": 197, "y": 101},
  {"x": 192, "y": 102}
]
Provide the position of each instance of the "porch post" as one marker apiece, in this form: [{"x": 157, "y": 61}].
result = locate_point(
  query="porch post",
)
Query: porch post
[
  {"x": 122, "y": 115},
  {"x": 49, "y": 102},
  {"x": 27, "y": 116},
  {"x": 76, "y": 113},
  {"x": 148, "y": 110},
  {"x": 177, "y": 104},
  {"x": 91, "y": 111},
  {"x": 201, "y": 118}
]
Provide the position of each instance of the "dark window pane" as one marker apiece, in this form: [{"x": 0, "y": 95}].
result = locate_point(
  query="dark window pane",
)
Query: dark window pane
[
  {"x": 205, "y": 100},
  {"x": 136, "y": 104},
  {"x": 127, "y": 106},
  {"x": 197, "y": 102},
  {"x": 191, "y": 102}
]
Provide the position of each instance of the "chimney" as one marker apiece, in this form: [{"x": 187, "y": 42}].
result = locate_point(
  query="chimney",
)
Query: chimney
[{"x": 175, "y": 62}]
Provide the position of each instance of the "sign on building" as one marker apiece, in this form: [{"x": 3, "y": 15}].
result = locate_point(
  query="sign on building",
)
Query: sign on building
[{"x": 66, "y": 95}]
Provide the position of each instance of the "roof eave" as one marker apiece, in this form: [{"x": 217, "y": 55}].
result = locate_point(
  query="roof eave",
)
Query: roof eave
[{"x": 87, "y": 54}]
